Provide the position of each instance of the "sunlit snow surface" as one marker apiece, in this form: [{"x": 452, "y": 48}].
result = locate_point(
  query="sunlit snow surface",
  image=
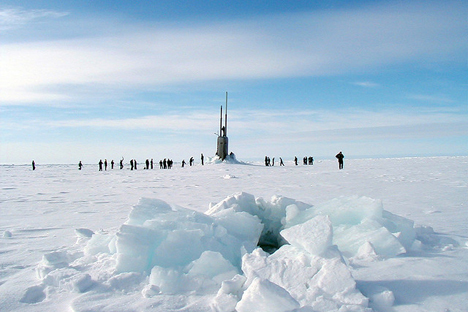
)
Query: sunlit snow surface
[{"x": 382, "y": 234}]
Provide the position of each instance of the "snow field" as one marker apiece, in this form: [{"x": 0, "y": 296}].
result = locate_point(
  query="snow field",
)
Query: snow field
[{"x": 244, "y": 253}]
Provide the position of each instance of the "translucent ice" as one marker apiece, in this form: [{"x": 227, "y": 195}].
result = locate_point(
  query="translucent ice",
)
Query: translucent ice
[
  {"x": 263, "y": 295},
  {"x": 358, "y": 220},
  {"x": 314, "y": 236},
  {"x": 167, "y": 250}
]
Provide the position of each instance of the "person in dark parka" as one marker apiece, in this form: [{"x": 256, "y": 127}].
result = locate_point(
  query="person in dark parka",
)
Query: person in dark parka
[{"x": 340, "y": 157}]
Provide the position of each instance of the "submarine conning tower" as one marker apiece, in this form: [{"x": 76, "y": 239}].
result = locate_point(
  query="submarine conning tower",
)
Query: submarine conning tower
[{"x": 222, "y": 146}]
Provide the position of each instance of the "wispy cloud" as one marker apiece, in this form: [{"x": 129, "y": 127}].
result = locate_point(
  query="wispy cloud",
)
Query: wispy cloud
[
  {"x": 285, "y": 124},
  {"x": 293, "y": 45},
  {"x": 366, "y": 84},
  {"x": 252, "y": 132},
  {"x": 13, "y": 17},
  {"x": 196, "y": 121}
]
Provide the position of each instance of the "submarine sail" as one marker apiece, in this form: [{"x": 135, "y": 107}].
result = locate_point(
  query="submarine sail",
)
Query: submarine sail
[{"x": 222, "y": 144}]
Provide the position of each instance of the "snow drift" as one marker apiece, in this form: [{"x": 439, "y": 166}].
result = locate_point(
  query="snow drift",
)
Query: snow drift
[{"x": 243, "y": 254}]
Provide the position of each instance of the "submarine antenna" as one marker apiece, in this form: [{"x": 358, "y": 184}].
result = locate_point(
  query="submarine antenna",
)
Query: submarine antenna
[
  {"x": 221, "y": 122},
  {"x": 225, "y": 116}
]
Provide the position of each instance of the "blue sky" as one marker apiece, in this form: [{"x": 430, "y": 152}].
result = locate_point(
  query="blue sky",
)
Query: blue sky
[{"x": 84, "y": 80}]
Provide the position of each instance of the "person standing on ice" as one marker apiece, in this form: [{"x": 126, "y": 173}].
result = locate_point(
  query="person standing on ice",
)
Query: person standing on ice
[
  {"x": 105, "y": 164},
  {"x": 340, "y": 157},
  {"x": 33, "y": 165},
  {"x": 100, "y": 164},
  {"x": 202, "y": 159},
  {"x": 112, "y": 164},
  {"x": 281, "y": 162}
]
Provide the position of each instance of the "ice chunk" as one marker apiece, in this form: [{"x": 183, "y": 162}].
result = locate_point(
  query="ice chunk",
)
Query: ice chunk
[
  {"x": 357, "y": 220},
  {"x": 366, "y": 252},
  {"x": 56, "y": 259},
  {"x": 263, "y": 295},
  {"x": 344, "y": 210},
  {"x": 99, "y": 243},
  {"x": 168, "y": 280},
  {"x": 82, "y": 283},
  {"x": 382, "y": 298},
  {"x": 314, "y": 236},
  {"x": 224, "y": 303},
  {"x": 7, "y": 234},
  {"x": 334, "y": 278},
  {"x": 135, "y": 248},
  {"x": 397, "y": 224},
  {"x": 179, "y": 248},
  {"x": 233, "y": 286},
  {"x": 51, "y": 261},
  {"x": 305, "y": 276},
  {"x": 292, "y": 211},
  {"x": 212, "y": 264},
  {"x": 147, "y": 209},
  {"x": 350, "y": 239},
  {"x": 203, "y": 275},
  {"x": 84, "y": 232},
  {"x": 229, "y": 294},
  {"x": 242, "y": 225},
  {"x": 239, "y": 202},
  {"x": 157, "y": 234}
]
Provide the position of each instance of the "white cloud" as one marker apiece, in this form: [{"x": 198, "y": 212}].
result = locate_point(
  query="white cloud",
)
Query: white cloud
[
  {"x": 14, "y": 17},
  {"x": 284, "y": 124},
  {"x": 172, "y": 123},
  {"x": 251, "y": 132},
  {"x": 366, "y": 84},
  {"x": 307, "y": 44}
]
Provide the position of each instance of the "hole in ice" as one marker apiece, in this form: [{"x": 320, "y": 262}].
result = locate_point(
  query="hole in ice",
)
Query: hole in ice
[{"x": 268, "y": 244}]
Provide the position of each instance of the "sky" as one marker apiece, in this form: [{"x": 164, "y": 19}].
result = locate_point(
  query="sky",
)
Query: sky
[{"x": 90, "y": 80}]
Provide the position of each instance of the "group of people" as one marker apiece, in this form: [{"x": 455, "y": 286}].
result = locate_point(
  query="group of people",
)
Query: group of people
[
  {"x": 167, "y": 163},
  {"x": 149, "y": 163},
  {"x": 306, "y": 160},
  {"x": 80, "y": 165},
  {"x": 271, "y": 162}
]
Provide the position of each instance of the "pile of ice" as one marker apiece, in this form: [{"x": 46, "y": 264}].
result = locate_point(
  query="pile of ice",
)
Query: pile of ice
[
  {"x": 230, "y": 159},
  {"x": 162, "y": 250}
]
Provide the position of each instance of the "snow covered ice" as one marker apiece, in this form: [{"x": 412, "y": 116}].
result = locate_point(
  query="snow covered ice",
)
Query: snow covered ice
[{"x": 193, "y": 240}]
